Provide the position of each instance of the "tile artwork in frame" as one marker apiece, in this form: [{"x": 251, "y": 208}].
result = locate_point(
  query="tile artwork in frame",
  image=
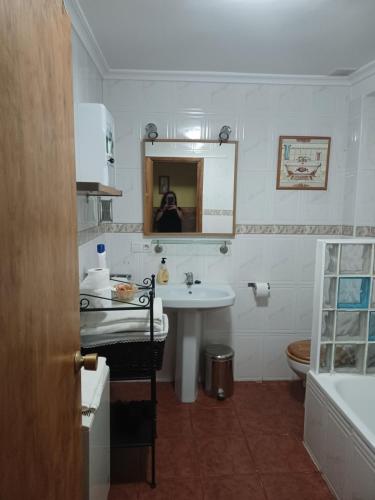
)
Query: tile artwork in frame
[{"x": 303, "y": 162}]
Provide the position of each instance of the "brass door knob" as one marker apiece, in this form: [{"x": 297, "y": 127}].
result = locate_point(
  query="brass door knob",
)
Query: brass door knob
[{"x": 88, "y": 361}]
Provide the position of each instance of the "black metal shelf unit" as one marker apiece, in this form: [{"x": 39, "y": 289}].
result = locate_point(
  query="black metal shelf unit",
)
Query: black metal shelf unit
[{"x": 133, "y": 423}]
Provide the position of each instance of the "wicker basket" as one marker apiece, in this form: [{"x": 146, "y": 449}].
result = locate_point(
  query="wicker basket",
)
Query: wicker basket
[
  {"x": 130, "y": 359},
  {"x": 124, "y": 292}
]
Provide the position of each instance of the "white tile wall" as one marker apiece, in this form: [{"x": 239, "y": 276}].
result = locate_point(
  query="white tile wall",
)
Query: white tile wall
[
  {"x": 87, "y": 255},
  {"x": 365, "y": 199},
  {"x": 87, "y": 87},
  {"x": 258, "y": 114},
  {"x": 251, "y": 327}
]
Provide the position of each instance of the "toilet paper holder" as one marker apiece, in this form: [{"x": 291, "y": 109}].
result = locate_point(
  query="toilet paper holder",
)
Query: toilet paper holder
[{"x": 254, "y": 285}]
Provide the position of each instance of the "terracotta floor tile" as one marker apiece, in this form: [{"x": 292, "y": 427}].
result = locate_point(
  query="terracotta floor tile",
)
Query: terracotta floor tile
[
  {"x": 247, "y": 386},
  {"x": 270, "y": 398},
  {"x": 280, "y": 454},
  {"x": 174, "y": 422},
  {"x": 258, "y": 400},
  {"x": 296, "y": 426},
  {"x": 124, "y": 491},
  {"x": 256, "y": 424},
  {"x": 222, "y": 456},
  {"x": 235, "y": 487},
  {"x": 173, "y": 489},
  {"x": 205, "y": 401},
  {"x": 247, "y": 447},
  {"x": 215, "y": 422},
  {"x": 176, "y": 458},
  {"x": 295, "y": 486},
  {"x": 166, "y": 396}
]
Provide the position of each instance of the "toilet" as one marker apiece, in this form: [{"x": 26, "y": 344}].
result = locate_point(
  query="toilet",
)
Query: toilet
[{"x": 298, "y": 356}]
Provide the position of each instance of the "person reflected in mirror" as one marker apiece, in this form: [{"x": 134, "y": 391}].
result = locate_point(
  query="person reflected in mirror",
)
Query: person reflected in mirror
[{"x": 169, "y": 217}]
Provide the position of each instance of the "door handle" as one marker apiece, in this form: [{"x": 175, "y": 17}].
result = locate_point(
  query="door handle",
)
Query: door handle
[{"x": 88, "y": 361}]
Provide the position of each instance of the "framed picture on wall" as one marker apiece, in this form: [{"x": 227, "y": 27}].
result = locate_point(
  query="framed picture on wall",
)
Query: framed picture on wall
[
  {"x": 303, "y": 162},
  {"x": 163, "y": 184}
]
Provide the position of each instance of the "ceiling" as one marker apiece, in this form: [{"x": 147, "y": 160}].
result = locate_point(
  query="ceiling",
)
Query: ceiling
[{"x": 305, "y": 37}]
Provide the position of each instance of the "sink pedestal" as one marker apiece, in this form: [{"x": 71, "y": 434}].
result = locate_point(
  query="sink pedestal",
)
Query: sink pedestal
[
  {"x": 189, "y": 331},
  {"x": 190, "y": 303}
]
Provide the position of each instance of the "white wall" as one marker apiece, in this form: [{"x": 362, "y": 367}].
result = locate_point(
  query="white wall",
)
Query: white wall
[
  {"x": 359, "y": 205},
  {"x": 365, "y": 199},
  {"x": 87, "y": 87},
  {"x": 258, "y": 114},
  {"x": 258, "y": 333}
]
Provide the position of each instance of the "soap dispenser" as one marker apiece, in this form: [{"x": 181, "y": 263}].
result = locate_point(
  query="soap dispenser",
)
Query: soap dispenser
[{"x": 163, "y": 275}]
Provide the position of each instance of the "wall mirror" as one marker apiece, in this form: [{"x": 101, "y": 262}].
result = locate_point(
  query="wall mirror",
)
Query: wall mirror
[{"x": 190, "y": 187}]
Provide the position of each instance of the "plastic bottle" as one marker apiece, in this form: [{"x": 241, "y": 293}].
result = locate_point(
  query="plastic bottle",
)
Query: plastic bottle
[
  {"x": 163, "y": 275},
  {"x": 102, "y": 256}
]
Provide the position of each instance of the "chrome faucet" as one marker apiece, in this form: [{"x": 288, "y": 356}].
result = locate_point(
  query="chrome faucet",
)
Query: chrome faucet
[{"x": 189, "y": 280}]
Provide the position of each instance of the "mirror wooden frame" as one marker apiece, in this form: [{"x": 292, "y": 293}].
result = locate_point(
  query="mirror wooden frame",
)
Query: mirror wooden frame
[{"x": 148, "y": 192}]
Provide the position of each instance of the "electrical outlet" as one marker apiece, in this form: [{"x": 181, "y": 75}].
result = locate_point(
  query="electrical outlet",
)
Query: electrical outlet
[
  {"x": 146, "y": 247},
  {"x": 141, "y": 247}
]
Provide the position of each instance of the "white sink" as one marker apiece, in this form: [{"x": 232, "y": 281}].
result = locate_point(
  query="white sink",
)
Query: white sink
[
  {"x": 190, "y": 303},
  {"x": 196, "y": 296}
]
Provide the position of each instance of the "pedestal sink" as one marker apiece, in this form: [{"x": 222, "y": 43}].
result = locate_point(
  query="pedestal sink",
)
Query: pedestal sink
[{"x": 189, "y": 303}]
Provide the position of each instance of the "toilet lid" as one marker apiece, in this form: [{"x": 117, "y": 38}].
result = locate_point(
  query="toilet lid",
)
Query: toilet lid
[{"x": 300, "y": 351}]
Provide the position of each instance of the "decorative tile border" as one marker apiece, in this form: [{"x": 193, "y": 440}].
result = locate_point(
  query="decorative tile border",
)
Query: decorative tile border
[
  {"x": 89, "y": 234},
  {"x": 123, "y": 227},
  {"x": 331, "y": 230},
  {"x": 348, "y": 230},
  {"x": 291, "y": 229},
  {"x": 365, "y": 231},
  {"x": 214, "y": 211}
]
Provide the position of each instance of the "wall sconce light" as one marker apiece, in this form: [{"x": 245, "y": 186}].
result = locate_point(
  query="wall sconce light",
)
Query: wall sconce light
[
  {"x": 152, "y": 131},
  {"x": 224, "y": 134}
]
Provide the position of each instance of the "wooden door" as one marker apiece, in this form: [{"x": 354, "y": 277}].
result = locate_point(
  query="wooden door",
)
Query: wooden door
[{"x": 40, "y": 454}]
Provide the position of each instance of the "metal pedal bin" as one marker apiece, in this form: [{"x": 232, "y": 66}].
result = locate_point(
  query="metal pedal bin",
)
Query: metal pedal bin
[{"x": 219, "y": 371}]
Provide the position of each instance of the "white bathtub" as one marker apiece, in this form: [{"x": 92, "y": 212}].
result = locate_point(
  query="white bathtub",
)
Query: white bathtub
[{"x": 340, "y": 432}]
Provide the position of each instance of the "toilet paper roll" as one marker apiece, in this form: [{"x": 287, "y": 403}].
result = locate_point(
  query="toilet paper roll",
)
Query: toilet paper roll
[
  {"x": 262, "y": 290},
  {"x": 97, "y": 278}
]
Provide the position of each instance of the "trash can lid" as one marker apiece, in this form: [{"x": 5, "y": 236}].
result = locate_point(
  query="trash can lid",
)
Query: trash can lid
[{"x": 219, "y": 351}]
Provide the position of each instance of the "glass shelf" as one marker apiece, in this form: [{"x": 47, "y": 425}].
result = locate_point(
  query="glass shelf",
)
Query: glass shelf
[{"x": 184, "y": 241}]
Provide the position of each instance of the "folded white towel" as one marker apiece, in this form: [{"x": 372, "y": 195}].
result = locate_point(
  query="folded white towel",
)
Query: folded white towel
[
  {"x": 125, "y": 337},
  {"x": 104, "y": 322}
]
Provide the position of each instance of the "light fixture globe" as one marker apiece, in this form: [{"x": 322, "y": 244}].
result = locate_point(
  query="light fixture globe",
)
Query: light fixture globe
[
  {"x": 224, "y": 134},
  {"x": 152, "y": 131}
]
